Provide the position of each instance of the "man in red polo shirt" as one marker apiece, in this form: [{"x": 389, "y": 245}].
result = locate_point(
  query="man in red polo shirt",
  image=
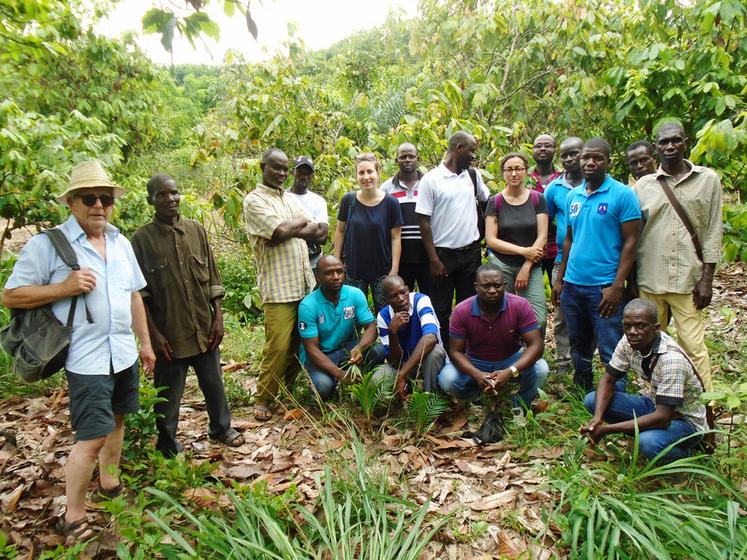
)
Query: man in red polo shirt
[{"x": 486, "y": 334}]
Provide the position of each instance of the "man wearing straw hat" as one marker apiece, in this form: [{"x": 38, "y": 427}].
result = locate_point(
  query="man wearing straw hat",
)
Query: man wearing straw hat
[{"x": 102, "y": 362}]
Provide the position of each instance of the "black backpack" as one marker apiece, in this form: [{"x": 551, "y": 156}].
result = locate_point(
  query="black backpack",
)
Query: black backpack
[{"x": 35, "y": 338}]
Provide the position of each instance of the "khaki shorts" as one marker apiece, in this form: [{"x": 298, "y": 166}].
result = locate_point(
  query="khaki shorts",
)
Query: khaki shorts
[{"x": 95, "y": 399}]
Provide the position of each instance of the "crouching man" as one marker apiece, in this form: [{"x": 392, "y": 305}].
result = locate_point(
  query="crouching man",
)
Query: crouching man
[
  {"x": 409, "y": 332},
  {"x": 486, "y": 335},
  {"x": 329, "y": 321},
  {"x": 668, "y": 409}
]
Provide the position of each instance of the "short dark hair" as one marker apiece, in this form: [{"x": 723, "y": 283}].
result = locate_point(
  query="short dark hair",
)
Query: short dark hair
[
  {"x": 487, "y": 267},
  {"x": 550, "y": 136},
  {"x": 158, "y": 180},
  {"x": 668, "y": 122},
  {"x": 598, "y": 143},
  {"x": 461, "y": 137},
  {"x": 572, "y": 140},
  {"x": 268, "y": 152},
  {"x": 646, "y": 305},
  {"x": 408, "y": 145},
  {"x": 522, "y": 157},
  {"x": 391, "y": 281},
  {"x": 641, "y": 144}
]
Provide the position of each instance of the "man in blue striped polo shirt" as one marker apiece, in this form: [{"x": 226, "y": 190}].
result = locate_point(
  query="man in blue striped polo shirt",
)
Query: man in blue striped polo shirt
[{"x": 410, "y": 334}]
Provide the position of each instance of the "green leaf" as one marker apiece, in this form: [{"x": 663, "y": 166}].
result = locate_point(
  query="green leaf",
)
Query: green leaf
[
  {"x": 154, "y": 20},
  {"x": 251, "y": 25}
]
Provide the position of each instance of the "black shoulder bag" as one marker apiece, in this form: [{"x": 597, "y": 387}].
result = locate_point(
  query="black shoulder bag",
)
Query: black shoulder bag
[{"x": 35, "y": 338}]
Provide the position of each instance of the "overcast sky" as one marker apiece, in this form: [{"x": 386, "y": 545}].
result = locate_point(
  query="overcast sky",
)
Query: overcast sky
[{"x": 320, "y": 23}]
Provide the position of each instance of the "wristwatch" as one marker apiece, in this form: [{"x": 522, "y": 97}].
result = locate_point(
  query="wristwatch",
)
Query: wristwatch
[{"x": 514, "y": 371}]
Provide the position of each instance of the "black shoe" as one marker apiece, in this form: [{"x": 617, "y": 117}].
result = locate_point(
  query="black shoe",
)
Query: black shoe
[{"x": 491, "y": 430}]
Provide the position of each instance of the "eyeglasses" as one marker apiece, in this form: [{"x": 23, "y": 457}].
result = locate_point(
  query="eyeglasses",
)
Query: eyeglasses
[
  {"x": 90, "y": 200},
  {"x": 512, "y": 170}
]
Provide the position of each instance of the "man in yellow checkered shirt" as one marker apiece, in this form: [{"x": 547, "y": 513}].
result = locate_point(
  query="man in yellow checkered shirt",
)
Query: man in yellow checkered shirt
[{"x": 278, "y": 229}]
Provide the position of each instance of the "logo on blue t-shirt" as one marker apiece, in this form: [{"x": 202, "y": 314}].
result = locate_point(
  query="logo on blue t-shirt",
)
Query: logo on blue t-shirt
[
  {"x": 575, "y": 207},
  {"x": 602, "y": 208},
  {"x": 320, "y": 320},
  {"x": 348, "y": 312},
  {"x": 301, "y": 326}
]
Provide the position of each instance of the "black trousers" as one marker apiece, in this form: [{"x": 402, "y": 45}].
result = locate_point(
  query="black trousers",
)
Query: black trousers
[
  {"x": 459, "y": 284},
  {"x": 416, "y": 272},
  {"x": 172, "y": 376}
]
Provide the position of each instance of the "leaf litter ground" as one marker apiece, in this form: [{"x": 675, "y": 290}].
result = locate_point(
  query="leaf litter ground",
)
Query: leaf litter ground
[{"x": 497, "y": 494}]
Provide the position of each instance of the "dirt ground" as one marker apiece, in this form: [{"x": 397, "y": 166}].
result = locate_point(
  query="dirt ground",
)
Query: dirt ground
[{"x": 500, "y": 504}]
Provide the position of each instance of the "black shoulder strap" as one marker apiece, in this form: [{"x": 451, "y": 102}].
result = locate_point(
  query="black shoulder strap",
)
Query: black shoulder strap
[
  {"x": 473, "y": 175},
  {"x": 67, "y": 254},
  {"x": 63, "y": 247}
]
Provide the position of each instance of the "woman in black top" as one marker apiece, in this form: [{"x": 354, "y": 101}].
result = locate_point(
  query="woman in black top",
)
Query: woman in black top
[
  {"x": 369, "y": 225},
  {"x": 516, "y": 232}
]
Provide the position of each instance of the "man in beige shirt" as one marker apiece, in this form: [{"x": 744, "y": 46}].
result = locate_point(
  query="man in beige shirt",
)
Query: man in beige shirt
[
  {"x": 670, "y": 272},
  {"x": 278, "y": 230}
]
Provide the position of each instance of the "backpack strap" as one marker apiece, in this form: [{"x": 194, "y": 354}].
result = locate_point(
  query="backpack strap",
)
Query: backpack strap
[
  {"x": 535, "y": 196},
  {"x": 498, "y": 203},
  {"x": 63, "y": 247},
  {"x": 65, "y": 251},
  {"x": 473, "y": 175}
]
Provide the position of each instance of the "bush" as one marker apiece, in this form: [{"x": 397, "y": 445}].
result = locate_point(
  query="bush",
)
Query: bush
[{"x": 238, "y": 273}]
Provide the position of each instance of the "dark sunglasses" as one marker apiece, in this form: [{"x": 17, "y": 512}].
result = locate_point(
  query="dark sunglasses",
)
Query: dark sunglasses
[{"x": 90, "y": 199}]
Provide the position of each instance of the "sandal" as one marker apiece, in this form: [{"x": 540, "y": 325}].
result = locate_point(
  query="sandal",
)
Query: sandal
[
  {"x": 232, "y": 438},
  {"x": 76, "y": 530},
  {"x": 262, "y": 413},
  {"x": 101, "y": 495}
]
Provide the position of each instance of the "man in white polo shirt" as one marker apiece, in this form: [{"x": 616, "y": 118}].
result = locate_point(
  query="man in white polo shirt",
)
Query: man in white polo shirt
[{"x": 447, "y": 214}]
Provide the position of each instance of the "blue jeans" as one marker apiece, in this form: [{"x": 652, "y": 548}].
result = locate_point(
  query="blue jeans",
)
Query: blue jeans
[
  {"x": 464, "y": 387},
  {"x": 580, "y": 305},
  {"x": 650, "y": 442},
  {"x": 324, "y": 383}
]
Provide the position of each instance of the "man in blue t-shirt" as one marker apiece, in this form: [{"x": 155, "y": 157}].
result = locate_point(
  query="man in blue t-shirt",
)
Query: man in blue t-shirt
[
  {"x": 329, "y": 321},
  {"x": 555, "y": 196},
  {"x": 603, "y": 226},
  {"x": 409, "y": 332}
]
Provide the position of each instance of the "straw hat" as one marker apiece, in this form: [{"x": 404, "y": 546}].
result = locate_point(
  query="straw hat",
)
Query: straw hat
[{"x": 88, "y": 175}]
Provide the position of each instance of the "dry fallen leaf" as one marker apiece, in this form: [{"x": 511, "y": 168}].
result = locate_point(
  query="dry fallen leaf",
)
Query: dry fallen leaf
[
  {"x": 204, "y": 498},
  {"x": 473, "y": 468},
  {"x": 244, "y": 471},
  {"x": 294, "y": 414},
  {"x": 9, "y": 501},
  {"x": 495, "y": 500},
  {"x": 551, "y": 453},
  {"x": 508, "y": 547}
]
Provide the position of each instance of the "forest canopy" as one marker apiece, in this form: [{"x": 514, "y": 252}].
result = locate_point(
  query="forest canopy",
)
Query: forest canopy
[{"x": 504, "y": 71}]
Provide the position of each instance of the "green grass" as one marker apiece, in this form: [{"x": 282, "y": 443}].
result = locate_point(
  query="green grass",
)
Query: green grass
[
  {"x": 358, "y": 518},
  {"x": 607, "y": 504}
]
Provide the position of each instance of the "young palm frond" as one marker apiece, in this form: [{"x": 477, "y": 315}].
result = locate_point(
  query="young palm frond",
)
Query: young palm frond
[
  {"x": 372, "y": 393},
  {"x": 423, "y": 409}
]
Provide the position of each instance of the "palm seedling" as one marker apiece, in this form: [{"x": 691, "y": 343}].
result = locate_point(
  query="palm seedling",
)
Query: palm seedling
[
  {"x": 423, "y": 408},
  {"x": 372, "y": 393}
]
